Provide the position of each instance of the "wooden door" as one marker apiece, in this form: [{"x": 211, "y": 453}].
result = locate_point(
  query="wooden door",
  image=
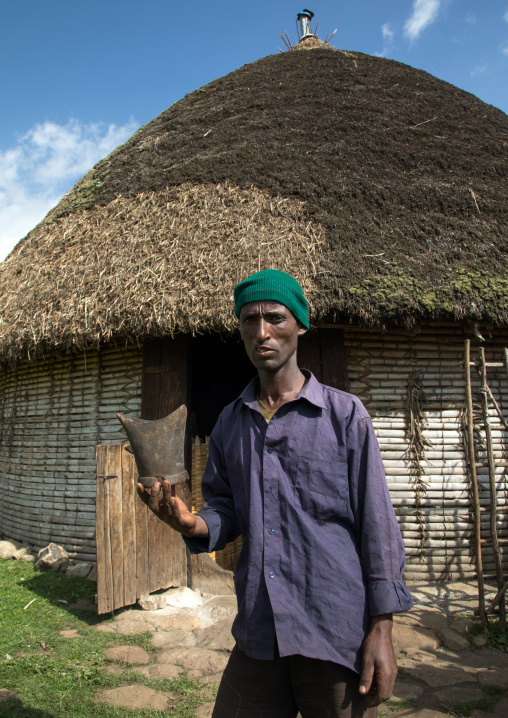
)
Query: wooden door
[
  {"x": 136, "y": 552},
  {"x": 322, "y": 351}
]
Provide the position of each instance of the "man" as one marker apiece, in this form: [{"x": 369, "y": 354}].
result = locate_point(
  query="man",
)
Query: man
[{"x": 295, "y": 467}]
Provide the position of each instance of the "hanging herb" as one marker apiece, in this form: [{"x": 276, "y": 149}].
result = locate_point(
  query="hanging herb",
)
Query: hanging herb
[{"x": 417, "y": 443}]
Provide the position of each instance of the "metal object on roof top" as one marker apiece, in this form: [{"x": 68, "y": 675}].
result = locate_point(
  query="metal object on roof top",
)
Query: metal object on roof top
[
  {"x": 158, "y": 447},
  {"x": 304, "y": 19}
]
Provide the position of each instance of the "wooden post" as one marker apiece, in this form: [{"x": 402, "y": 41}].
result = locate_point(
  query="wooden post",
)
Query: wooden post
[
  {"x": 474, "y": 486},
  {"x": 493, "y": 491}
]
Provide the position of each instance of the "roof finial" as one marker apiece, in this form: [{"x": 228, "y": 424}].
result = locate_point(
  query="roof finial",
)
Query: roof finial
[{"x": 304, "y": 19}]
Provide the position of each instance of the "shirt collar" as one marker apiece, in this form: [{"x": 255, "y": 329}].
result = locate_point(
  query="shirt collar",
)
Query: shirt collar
[{"x": 312, "y": 391}]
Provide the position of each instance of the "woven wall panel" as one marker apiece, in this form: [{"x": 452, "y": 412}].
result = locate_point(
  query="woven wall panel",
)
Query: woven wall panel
[
  {"x": 52, "y": 414},
  {"x": 379, "y": 367}
]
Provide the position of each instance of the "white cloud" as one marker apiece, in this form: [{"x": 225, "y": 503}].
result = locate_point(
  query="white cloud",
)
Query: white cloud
[
  {"x": 424, "y": 14},
  {"x": 470, "y": 17},
  {"x": 388, "y": 40},
  {"x": 504, "y": 48},
  {"x": 43, "y": 165},
  {"x": 480, "y": 69},
  {"x": 505, "y": 16}
]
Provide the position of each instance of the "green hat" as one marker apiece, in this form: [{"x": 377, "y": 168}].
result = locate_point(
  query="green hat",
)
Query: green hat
[{"x": 273, "y": 285}]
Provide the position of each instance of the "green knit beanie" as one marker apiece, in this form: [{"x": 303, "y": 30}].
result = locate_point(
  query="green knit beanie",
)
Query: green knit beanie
[{"x": 273, "y": 285}]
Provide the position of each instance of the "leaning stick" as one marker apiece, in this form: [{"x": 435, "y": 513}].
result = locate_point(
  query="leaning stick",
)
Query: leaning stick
[
  {"x": 474, "y": 485},
  {"x": 492, "y": 488}
]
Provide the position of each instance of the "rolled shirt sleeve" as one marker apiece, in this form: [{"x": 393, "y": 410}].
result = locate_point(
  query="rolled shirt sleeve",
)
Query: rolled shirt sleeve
[{"x": 377, "y": 531}]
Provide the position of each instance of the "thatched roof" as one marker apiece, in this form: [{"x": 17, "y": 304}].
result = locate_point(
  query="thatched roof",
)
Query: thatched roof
[{"x": 379, "y": 186}]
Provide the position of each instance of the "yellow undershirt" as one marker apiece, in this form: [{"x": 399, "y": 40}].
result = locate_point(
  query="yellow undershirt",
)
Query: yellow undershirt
[{"x": 266, "y": 412}]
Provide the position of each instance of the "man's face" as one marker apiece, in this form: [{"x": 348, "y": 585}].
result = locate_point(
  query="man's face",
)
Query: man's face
[{"x": 270, "y": 333}]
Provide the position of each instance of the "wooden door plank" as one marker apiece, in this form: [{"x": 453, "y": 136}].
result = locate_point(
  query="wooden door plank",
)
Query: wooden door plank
[
  {"x": 115, "y": 522},
  {"x": 142, "y": 577},
  {"x": 309, "y": 355},
  {"x": 129, "y": 477},
  {"x": 333, "y": 358},
  {"x": 155, "y": 526},
  {"x": 100, "y": 528}
]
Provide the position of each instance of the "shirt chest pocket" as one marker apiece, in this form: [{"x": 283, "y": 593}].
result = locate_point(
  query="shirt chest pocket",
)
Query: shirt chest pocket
[{"x": 321, "y": 487}]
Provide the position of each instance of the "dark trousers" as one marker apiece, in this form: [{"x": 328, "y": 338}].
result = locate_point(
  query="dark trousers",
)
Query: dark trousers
[{"x": 251, "y": 688}]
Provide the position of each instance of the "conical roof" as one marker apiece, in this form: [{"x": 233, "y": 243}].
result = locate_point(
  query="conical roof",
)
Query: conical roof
[{"x": 382, "y": 188}]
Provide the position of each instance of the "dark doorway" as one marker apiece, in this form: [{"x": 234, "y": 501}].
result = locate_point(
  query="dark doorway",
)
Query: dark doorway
[{"x": 220, "y": 371}]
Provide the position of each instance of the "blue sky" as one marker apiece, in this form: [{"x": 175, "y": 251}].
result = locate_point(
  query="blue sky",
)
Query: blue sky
[{"x": 77, "y": 79}]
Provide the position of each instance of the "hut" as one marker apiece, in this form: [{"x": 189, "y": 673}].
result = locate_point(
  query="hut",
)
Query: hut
[{"x": 380, "y": 187}]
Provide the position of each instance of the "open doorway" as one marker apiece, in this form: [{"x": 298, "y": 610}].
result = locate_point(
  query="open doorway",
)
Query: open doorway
[{"x": 220, "y": 371}]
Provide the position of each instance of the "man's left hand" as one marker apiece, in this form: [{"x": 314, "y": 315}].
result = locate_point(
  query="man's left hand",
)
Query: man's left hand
[{"x": 379, "y": 668}]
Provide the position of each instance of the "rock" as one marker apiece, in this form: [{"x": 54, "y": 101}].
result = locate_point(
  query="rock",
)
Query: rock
[
  {"x": 216, "y": 637},
  {"x": 52, "y": 558},
  {"x": 181, "y": 597},
  {"x": 432, "y": 618},
  {"x": 217, "y": 609},
  {"x": 479, "y": 641},
  {"x": 170, "y": 639},
  {"x": 416, "y": 656},
  {"x": 180, "y": 621},
  {"x": 205, "y": 710},
  {"x": 198, "y": 660},
  {"x": 69, "y": 633},
  {"x": 454, "y": 641},
  {"x": 27, "y": 557},
  {"x": 441, "y": 673},
  {"x": 92, "y": 576},
  {"x": 413, "y": 637},
  {"x": 126, "y": 628},
  {"x": 160, "y": 670},
  {"x": 407, "y": 691},
  {"x": 459, "y": 694},
  {"x": 208, "y": 577},
  {"x": 462, "y": 625},
  {"x": 426, "y": 713},
  {"x": 21, "y": 552},
  {"x": 8, "y": 549},
  {"x": 493, "y": 677},
  {"x": 6, "y": 695},
  {"x": 127, "y": 654},
  {"x": 81, "y": 569},
  {"x": 136, "y": 696},
  {"x": 113, "y": 669}
]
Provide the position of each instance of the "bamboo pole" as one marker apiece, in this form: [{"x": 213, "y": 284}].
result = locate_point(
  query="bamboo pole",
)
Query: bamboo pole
[
  {"x": 474, "y": 486},
  {"x": 492, "y": 487}
]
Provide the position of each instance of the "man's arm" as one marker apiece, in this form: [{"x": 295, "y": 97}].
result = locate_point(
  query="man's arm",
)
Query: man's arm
[{"x": 172, "y": 510}]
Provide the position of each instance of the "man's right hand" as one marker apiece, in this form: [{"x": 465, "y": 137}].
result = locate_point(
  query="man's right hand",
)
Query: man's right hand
[{"x": 172, "y": 510}]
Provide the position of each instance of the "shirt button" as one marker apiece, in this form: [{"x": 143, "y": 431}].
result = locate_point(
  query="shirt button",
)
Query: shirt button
[
  {"x": 272, "y": 531},
  {"x": 271, "y": 574},
  {"x": 270, "y": 450}
]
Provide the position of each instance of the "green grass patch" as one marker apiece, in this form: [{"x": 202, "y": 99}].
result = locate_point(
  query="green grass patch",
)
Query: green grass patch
[
  {"x": 495, "y": 637},
  {"x": 465, "y": 709},
  {"x": 57, "y": 677},
  {"x": 495, "y": 691}
]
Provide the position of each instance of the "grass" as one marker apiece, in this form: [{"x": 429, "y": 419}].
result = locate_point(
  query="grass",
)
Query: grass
[
  {"x": 392, "y": 706},
  {"x": 495, "y": 637},
  {"x": 58, "y": 677},
  {"x": 466, "y": 708}
]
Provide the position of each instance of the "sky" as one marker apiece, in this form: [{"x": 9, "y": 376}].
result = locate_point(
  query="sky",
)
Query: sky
[{"x": 77, "y": 79}]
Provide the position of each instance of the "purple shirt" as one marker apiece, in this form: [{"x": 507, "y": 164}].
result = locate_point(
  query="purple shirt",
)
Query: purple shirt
[{"x": 322, "y": 549}]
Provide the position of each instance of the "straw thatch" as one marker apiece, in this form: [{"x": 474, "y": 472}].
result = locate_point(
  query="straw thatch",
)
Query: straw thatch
[
  {"x": 149, "y": 265},
  {"x": 380, "y": 186}
]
